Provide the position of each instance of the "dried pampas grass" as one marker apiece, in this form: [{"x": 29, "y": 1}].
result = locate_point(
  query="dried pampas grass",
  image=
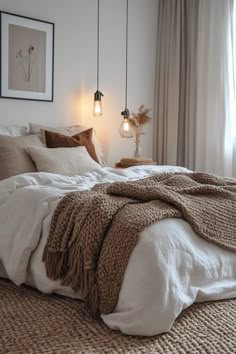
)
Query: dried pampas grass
[{"x": 140, "y": 118}]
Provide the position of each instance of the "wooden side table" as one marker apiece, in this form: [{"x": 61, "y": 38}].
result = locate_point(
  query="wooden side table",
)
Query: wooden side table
[{"x": 134, "y": 161}]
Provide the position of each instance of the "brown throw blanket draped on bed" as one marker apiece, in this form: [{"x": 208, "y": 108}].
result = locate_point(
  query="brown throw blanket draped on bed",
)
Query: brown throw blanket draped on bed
[{"x": 93, "y": 232}]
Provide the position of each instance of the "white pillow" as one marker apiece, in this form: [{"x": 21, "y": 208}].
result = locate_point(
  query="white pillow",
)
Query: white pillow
[
  {"x": 99, "y": 150},
  {"x": 72, "y": 130},
  {"x": 38, "y": 128},
  {"x": 65, "y": 161},
  {"x": 13, "y": 130}
]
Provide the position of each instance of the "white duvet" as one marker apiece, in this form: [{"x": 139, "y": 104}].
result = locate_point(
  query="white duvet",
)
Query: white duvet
[{"x": 170, "y": 268}]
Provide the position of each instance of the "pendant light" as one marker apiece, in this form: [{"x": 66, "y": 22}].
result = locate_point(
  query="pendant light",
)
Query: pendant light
[
  {"x": 97, "y": 105},
  {"x": 125, "y": 128}
]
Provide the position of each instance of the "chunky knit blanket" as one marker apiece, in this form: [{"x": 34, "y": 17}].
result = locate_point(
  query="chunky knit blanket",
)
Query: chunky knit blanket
[{"x": 93, "y": 232}]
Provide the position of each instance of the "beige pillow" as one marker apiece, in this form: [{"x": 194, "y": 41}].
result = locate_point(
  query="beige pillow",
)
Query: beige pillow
[
  {"x": 70, "y": 131},
  {"x": 14, "y": 158},
  {"x": 13, "y": 130},
  {"x": 69, "y": 162}
]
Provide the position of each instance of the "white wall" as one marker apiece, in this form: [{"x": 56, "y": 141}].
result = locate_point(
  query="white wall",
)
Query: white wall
[{"x": 75, "y": 67}]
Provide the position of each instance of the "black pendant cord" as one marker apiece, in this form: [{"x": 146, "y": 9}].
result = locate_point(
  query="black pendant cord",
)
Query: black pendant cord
[
  {"x": 126, "y": 60},
  {"x": 98, "y": 45}
]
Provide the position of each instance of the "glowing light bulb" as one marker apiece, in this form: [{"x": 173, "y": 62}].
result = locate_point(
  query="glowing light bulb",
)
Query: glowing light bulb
[
  {"x": 126, "y": 130},
  {"x": 97, "y": 108},
  {"x": 97, "y": 105},
  {"x": 126, "y": 125}
]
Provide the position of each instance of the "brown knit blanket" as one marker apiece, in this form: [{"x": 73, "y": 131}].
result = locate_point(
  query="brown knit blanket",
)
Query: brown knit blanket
[{"x": 93, "y": 232}]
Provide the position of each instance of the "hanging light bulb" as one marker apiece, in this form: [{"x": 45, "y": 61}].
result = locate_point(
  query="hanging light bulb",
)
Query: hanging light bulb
[
  {"x": 126, "y": 130},
  {"x": 97, "y": 105}
]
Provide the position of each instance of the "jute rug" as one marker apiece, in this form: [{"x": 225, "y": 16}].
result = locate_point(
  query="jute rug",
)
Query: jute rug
[{"x": 34, "y": 323}]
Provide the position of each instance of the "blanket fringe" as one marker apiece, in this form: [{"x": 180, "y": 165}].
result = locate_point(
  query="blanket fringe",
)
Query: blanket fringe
[
  {"x": 74, "y": 274},
  {"x": 82, "y": 279},
  {"x": 92, "y": 300},
  {"x": 56, "y": 263}
]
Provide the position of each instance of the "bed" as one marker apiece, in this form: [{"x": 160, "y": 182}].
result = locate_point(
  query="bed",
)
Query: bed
[{"x": 170, "y": 268}]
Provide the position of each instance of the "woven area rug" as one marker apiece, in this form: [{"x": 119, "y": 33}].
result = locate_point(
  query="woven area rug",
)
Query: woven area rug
[{"x": 34, "y": 323}]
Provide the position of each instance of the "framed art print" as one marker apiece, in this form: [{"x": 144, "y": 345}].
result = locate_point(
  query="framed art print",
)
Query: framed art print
[{"x": 27, "y": 57}]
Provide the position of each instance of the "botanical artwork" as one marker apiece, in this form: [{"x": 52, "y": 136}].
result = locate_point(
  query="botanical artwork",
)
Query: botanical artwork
[
  {"x": 26, "y": 62},
  {"x": 26, "y": 59}
]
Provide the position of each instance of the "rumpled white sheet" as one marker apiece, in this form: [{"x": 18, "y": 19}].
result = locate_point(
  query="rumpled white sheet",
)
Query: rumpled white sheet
[{"x": 169, "y": 269}]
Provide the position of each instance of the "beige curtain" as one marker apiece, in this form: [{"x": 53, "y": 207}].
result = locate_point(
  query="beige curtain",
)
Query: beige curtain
[
  {"x": 195, "y": 99},
  {"x": 175, "y": 105},
  {"x": 215, "y": 113}
]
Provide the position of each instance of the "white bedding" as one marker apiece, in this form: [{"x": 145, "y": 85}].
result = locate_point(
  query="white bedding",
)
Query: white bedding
[{"x": 169, "y": 269}]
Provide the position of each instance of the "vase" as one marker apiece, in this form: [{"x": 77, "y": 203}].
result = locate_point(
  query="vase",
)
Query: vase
[{"x": 137, "y": 152}]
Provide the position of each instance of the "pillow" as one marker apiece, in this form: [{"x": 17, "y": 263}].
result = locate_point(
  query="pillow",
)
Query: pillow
[
  {"x": 99, "y": 151},
  {"x": 57, "y": 140},
  {"x": 69, "y": 162},
  {"x": 13, "y": 130},
  {"x": 69, "y": 131},
  {"x": 14, "y": 158}
]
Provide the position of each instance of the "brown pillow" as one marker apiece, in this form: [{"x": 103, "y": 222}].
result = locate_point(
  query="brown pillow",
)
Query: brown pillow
[{"x": 57, "y": 140}]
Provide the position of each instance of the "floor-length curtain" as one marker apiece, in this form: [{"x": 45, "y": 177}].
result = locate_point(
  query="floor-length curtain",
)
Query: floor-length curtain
[
  {"x": 215, "y": 113},
  {"x": 174, "y": 116},
  {"x": 194, "y": 101}
]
